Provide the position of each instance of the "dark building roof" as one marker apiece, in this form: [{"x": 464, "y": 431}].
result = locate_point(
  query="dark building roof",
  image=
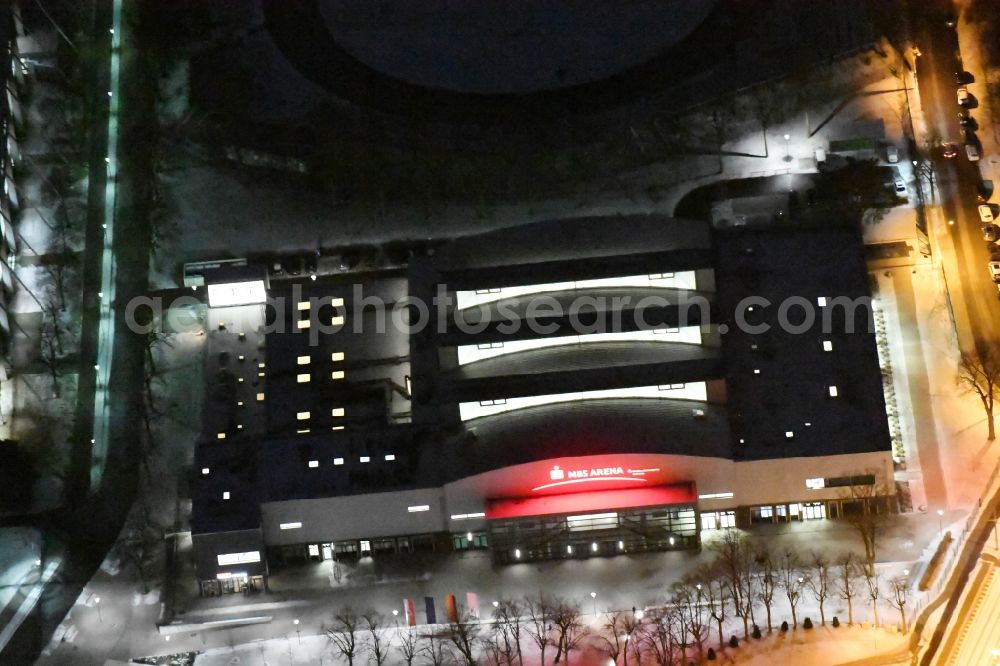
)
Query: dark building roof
[
  {"x": 791, "y": 391},
  {"x": 575, "y": 248}
]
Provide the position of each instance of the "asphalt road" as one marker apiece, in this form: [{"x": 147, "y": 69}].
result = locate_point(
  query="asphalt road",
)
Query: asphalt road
[{"x": 957, "y": 177}]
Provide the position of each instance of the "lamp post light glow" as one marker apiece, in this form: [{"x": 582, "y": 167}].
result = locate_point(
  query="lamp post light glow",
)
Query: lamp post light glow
[
  {"x": 788, "y": 154},
  {"x": 593, "y": 597},
  {"x": 298, "y": 633},
  {"x": 97, "y": 602},
  {"x": 940, "y": 513}
]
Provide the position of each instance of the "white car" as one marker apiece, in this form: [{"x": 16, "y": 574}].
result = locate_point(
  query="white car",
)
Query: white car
[
  {"x": 963, "y": 96},
  {"x": 972, "y": 152},
  {"x": 985, "y": 212},
  {"x": 891, "y": 154},
  {"x": 995, "y": 271}
]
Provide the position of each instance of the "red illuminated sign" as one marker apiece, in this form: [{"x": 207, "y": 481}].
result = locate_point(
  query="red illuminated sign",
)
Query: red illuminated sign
[{"x": 559, "y": 477}]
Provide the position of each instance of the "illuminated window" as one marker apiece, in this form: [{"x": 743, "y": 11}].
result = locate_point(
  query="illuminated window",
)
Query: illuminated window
[
  {"x": 337, "y": 374},
  {"x": 821, "y": 301},
  {"x": 338, "y": 461},
  {"x": 418, "y": 508},
  {"x": 260, "y": 365},
  {"x": 490, "y": 345},
  {"x": 490, "y": 403},
  {"x": 303, "y": 378},
  {"x": 337, "y": 411},
  {"x": 302, "y": 431},
  {"x": 260, "y": 397},
  {"x": 827, "y": 345},
  {"x": 302, "y": 416},
  {"x": 238, "y": 558},
  {"x": 789, "y": 434},
  {"x": 833, "y": 391},
  {"x": 225, "y": 495},
  {"x": 336, "y": 321},
  {"x": 336, "y": 357},
  {"x": 221, "y": 435},
  {"x": 302, "y": 305},
  {"x": 239, "y": 403},
  {"x": 290, "y": 526},
  {"x": 756, "y": 371},
  {"x": 314, "y": 463},
  {"x": 365, "y": 459},
  {"x": 816, "y": 483},
  {"x": 204, "y": 470},
  {"x": 303, "y": 323},
  {"x": 389, "y": 457},
  {"x": 303, "y": 360},
  {"x": 337, "y": 428}
]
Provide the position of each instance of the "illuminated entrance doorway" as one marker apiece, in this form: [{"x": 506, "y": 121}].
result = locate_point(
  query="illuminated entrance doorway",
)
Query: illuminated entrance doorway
[{"x": 593, "y": 524}]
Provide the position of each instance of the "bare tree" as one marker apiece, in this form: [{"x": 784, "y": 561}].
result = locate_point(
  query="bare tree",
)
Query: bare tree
[
  {"x": 872, "y": 586},
  {"x": 614, "y": 636},
  {"x": 819, "y": 581},
  {"x": 658, "y": 635},
  {"x": 897, "y": 586},
  {"x": 378, "y": 642},
  {"x": 792, "y": 580},
  {"x": 689, "y": 597},
  {"x": 569, "y": 628},
  {"x": 408, "y": 644},
  {"x": 464, "y": 635},
  {"x": 979, "y": 373},
  {"x": 537, "y": 624},
  {"x": 735, "y": 564},
  {"x": 343, "y": 633},
  {"x": 437, "y": 650},
  {"x": 716, "y": 593},
  {"x": 865, "y": 509},
  {"x": 507, "y": 624},
  {"x": 847, "y": 578},
  {"x": 767, "y": 582}
]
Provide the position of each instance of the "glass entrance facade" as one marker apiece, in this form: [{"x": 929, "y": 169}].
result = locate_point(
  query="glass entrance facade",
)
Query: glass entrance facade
[{"x": 598, "y": 534}]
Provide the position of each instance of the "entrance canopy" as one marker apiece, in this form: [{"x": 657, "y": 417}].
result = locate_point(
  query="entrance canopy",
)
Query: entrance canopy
[{"x": 598, "y": 500}]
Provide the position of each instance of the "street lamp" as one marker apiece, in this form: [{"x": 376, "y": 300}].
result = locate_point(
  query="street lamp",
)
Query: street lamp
[
  {"x": 496, "y": 604},
  {"x": 593, "y": 596},
  {"x": 97, "y": 602},
  {"x": 940, "y": 513},
  {"x": 788, "y": 155},
  {"x": 298, "y": 634}
]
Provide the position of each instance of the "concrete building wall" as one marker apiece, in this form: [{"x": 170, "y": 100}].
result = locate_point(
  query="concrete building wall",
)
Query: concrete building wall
[
  {"x": 449, "y": 508},
  {"x": 329, "y": 519}
]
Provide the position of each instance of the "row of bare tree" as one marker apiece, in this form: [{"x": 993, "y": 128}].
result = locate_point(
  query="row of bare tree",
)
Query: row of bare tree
[{"x": 745, "y": 583}]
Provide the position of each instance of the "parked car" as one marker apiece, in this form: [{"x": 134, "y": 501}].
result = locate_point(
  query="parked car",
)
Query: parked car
[
  {"x": 990, "y": 233},
  {"x": 986, "y": 212},
  {"x": 995, "y": 271},
  {"x": 972, "y": 152},
  {"x": 966, "y": 120},
  {"x": 891, "y": 154},
  {"x": 949, "y": 18},
  {"x": 962, "y": 77},
  {"x": 949, "y": 150},
  {"x": 899, "y": 184},
  {"x": 984, "y": 190},
  {"x": 964, "y": 97}
]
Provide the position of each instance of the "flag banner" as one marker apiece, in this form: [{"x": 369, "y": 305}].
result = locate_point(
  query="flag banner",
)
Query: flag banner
[
  {"x": 450, "y": 608},
  {"x": 472, "y": 601},
  {"x": 411, "y": 615},
  {"x": 429, "y": 606}
]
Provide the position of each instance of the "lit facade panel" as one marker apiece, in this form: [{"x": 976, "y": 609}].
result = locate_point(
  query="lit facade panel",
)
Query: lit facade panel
[
  {"x": 236, "y": 293},
  {"x": 681, "y": 280},
  {"x": 249, "y": 556},
  {"x": 474, "y": 410},
  {"x": 472, "y": 353}
]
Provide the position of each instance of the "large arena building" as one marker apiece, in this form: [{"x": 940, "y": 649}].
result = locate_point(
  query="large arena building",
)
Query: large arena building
[{"x": 572, "y": 388}]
